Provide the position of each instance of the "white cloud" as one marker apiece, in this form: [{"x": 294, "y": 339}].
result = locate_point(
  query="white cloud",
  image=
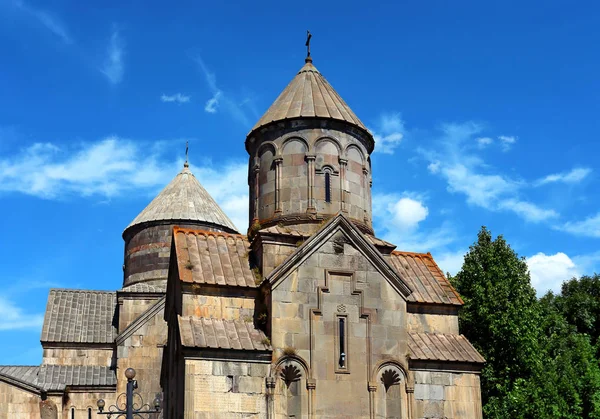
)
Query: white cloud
[
  {"x": 177, "y": 97},
  {"x": 507, "y": 141},
  {"x": 455, "y": 159},
  {"x": 113, "y": 67},
  {"x": 408, "y": 213},
  {"x": 116, "y": 167},
  {"x": 213, "y": 103},
  {"x": 548, "y": 272},
  {"x": 388, "y": 133},
  {"x": 527, "y": 210},
  {"x": 576, "y": 175},
  {"x": 397, "y": 217},
  {"x": 450, "y": 261},
  {"x": 47, "y": 19},
  {"x": 589, "y": 227},
  {"x": 483, "y": 142},
  {"x": 13, "y": 317},
  {"x": 237, "y": 109}
]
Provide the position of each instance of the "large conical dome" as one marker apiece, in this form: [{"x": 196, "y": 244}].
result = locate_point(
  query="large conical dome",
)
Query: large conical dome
[
  {"x": 309, "y": 95},
  {"x": 184, "y": 199}
]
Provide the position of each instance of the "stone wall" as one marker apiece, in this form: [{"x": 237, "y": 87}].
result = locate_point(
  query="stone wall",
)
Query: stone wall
[
  {"x": 432, "y": 323},
  {"x": 228, "y": 390},
  {"x": 80, "y": 403},
  {"x": 338, "y": 288},
  {"x": 130, "y": 308},
  {"x": 16, "y": 403},
  {"x": 143, "y": 352},
  {"x": 78, "y": 356},
  {"x": 230, "y": 306},
  {"x": 447, "y": 395}
]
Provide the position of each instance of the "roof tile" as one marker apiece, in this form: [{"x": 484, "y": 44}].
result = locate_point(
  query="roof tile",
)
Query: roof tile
[
  {"x": 57, "y": 377},
  {"x": 202, "y": 332},
  {"x": 79, "y": 316},
  {"x": 206, "y": 257},
  {"x": 442, "y": 347}
]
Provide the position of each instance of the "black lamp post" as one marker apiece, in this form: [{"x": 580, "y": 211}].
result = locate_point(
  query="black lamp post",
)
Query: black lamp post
[{"x": 131, "y": 408}]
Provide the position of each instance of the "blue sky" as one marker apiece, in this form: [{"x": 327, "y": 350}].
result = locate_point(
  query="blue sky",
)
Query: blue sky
[{"x": 484, "y": 114}]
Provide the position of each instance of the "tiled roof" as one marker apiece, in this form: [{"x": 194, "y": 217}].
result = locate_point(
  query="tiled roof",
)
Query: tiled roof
[
  {"x": 79, "y": 316},
  {"x": 206, "y": 257},
  {"x": 425, "y": 278},
  {"x": 146, "y": 288},
  {"x": 23, "y": 374},
  {"x": 442, "y": 347},
  {"x": 309, "y": 95},
  {"x": 184, "y": 199},
  {"x": 199, "y": 332},
  {"x": 57, "y": 377}
]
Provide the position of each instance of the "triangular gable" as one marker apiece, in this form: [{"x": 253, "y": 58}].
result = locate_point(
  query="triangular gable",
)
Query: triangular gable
[
  {"x": 141, "y": 320},
  {"x": 340, "y": 223}
]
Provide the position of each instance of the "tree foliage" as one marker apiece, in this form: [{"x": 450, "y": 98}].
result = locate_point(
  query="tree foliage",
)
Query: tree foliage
[{"x": 541, "y": 361}]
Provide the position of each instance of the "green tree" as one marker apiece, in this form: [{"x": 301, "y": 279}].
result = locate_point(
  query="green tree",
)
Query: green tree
[{"x": 502, "y": 318}]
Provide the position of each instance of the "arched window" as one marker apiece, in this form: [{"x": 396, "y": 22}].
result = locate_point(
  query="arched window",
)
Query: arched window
[
  {"x": 391, "y": 399},
  {"x": 72, "y": 413},
  {"x": 89, "y": 413}
]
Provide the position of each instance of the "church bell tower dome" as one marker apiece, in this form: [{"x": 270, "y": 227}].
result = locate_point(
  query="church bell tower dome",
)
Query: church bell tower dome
[
  {"x": 309, "y": 158},
  {"x": 183, "y": 202}
]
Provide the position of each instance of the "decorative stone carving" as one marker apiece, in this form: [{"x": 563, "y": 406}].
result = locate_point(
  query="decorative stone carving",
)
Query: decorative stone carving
[
  {"x": 289, "y": 374},
  {"x": 390, "y": 378}
]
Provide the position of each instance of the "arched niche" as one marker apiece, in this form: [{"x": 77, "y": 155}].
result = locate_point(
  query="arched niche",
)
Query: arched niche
[
  {"x": 294, "y": 145},
  {"x": 391, "y": 398},
  {"x": 291, "y": 390}
]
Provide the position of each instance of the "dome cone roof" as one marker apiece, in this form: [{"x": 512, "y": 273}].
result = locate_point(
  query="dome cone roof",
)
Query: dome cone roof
[
  {"x": 309, "y": 95},
  {"x": 184, "y": 199}
]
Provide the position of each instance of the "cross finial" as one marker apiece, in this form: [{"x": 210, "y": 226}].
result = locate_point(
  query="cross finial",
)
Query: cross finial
[
  {"x": 308, "y": 58},
  {"x": 186, "y": 164}
]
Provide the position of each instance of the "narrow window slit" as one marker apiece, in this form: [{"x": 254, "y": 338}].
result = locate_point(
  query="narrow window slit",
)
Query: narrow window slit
[
  {"x": 342, "y": 326},
  {"x": 327, "y": 187}
]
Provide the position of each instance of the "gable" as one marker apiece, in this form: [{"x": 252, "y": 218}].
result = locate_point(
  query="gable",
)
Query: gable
[{"x": 331, "y": 234}]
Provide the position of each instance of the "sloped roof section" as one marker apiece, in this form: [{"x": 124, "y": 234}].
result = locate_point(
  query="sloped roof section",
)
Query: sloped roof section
[
  {"x": 27, "y": 375},
  {"x": 442, "y": 347},
  {"x": 425, "y": 278},
  {"x": 200, "y": 332},
  {"x": 184, "y": 199},
  {"x": 79, "y": 316},
  {"x": 145, "y": 288},
  {"x": 286, "y": 231},
  {"x": 57, "y": 377},
  {"x": 309, "y": 95},
  {"x": 205, "y": 257}
]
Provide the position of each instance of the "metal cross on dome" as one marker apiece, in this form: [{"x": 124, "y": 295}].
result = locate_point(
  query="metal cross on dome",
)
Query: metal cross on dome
[{"x": 308, "y": 36}]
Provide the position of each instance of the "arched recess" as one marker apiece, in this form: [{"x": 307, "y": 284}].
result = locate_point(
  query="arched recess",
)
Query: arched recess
[
  {"x": 265, "y": 181},
  {"x": 294, "y": 145},
  {"x": 292, "y": 393},
  {"x": 391, "y": 398}
]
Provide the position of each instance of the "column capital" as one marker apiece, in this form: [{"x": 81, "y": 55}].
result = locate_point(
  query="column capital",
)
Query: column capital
[
  {"x": 310, "y": 157},
  {"x": 271, "y": 382},
  {"x": 278, "y": 160},
  {"x": 311, "y": 384},
  {"x": 343, "y": 161},
  {"x": 371, "y": 386}
]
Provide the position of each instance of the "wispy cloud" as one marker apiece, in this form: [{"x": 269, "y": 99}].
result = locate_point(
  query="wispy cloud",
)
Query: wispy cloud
[
  {"x": 177, "y": 97},
  {"x": 507, "y": 141},
  {"x": 220, "y": 99},
  {"x": 13, "y": 317},
  {"x": 388, "y": 132},
  {"x": 576, "y": 175},
  {"x": 455, "y": 159},
  {"x": 589, "y": 227},
  {"x": 47, "y": 19},
  {"x": 483, "y": 142},
  {"x": 114, "y": 167},
  {"x": 113, "y": 67}
]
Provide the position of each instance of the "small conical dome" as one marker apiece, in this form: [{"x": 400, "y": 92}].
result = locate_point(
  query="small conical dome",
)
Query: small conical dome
[
  {"x": 309, "y": 95},
  {"x": 184, "y": 199}
]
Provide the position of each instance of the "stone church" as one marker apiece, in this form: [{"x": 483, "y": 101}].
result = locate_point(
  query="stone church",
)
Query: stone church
[{"x": 308, "y": 315}]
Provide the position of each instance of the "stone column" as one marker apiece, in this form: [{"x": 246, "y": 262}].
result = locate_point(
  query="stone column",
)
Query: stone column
[
  {"x": 410, "y": 393},
  {"x": 271, "y": 382},
  {"x": 372, "y": 387},
  {"x": 311, "y": 385},
  {"x": 310, "y": 159},
  {"x": 256, "y": 173},
  {"x": 365, "y": 191},
  {"x": 278, "y": 161},
  {"x": 343, "y": 163}
]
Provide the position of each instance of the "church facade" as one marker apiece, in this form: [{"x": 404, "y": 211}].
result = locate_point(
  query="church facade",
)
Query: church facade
[{"x": 308, "y": 315}]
